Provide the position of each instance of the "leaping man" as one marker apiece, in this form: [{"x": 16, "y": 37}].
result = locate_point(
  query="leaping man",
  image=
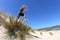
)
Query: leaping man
[{"x": 21, "y": 13}]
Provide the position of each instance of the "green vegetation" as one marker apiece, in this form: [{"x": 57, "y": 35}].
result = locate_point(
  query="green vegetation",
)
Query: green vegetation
[
  {"x": 41, "y": 33},
  {"x": 16, "y": 28},
  {"x": 50, "y": 33}
]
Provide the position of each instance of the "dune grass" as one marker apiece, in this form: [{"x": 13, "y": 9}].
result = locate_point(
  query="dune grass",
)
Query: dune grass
[
  {"x": 16, "y": 28},
  {"x": 50, "y": 33}
]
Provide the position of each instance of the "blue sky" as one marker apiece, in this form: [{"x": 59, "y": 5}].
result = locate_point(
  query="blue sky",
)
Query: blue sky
[{"x": 40, "y": 14}]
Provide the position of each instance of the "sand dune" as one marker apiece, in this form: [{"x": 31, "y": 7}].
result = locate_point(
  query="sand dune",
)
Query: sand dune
[{"x": 38, "y": 35}]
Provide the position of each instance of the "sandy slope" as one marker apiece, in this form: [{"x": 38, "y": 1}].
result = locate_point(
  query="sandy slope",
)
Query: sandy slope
[
  {"x": 46, "y": 35},
  {"x": 38, "y": 35}
]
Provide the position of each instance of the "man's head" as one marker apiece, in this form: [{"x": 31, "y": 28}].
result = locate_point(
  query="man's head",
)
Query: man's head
[{"x": 23, "y": 7}]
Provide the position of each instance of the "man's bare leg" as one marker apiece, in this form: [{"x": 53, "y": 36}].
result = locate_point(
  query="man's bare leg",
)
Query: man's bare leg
[{"x": 24, "y": 16}]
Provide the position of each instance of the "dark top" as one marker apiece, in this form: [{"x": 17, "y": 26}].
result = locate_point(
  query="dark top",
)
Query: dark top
[{"x": 21, "y": 12}]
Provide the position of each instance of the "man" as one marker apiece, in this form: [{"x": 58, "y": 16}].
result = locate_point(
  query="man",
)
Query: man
[{"x": 21, "y": 13}]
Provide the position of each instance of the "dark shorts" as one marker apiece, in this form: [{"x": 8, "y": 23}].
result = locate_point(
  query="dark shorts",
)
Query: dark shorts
[{"x": 21, "y": 14}]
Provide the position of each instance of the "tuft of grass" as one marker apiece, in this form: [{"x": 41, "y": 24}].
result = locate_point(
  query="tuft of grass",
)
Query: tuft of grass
[
  {"x": 41, "y": 33},
  {"x": 50, "y": 33},
  {"x": 16, "y": 28}
]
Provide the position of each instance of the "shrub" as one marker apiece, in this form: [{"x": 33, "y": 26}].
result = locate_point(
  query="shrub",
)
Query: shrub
[{"x": 50, "y": 33}]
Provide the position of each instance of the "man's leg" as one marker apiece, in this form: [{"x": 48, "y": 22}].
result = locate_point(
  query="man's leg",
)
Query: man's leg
[
  {"x": 18, "y": 17},
  {"x": 24, "y": 16}
]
